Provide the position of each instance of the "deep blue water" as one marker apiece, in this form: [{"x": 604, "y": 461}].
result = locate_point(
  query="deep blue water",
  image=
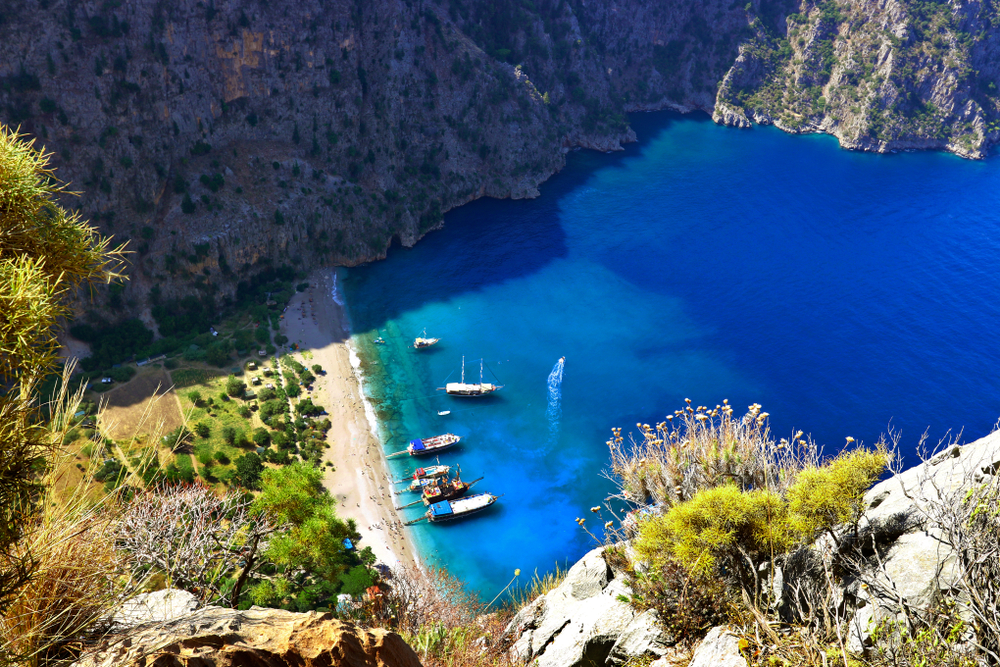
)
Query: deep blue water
[{"x": 845, "y": 292}]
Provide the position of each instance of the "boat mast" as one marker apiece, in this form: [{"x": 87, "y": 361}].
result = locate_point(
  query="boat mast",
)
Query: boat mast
[
  {"x": 463, "y": 369},
  {"x": 480, "y": 372}
]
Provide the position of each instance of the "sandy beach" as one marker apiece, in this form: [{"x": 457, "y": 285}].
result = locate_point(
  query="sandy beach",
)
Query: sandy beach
[{"x": 359, "y": 478}]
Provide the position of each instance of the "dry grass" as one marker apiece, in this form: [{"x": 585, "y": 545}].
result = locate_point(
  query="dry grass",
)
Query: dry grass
[
  {"x": 521, "y": 596},
  {"x": 699, "y": 448},
  {"x": 79, "y": 578},
  {"x": 141, "y": 404},
  {"x": 444, "y": 623}
]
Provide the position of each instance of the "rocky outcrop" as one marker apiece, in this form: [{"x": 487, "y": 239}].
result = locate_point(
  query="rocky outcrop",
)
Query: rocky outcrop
[
  {"x": 216, "y": 637},
  {"x": 155, "y": 607},
  {"x": 916, "y": 564},
  {"x": 719, "y": 648},
  {"x": 880, "y": 76},
  {"x": 584, "y": 621}
]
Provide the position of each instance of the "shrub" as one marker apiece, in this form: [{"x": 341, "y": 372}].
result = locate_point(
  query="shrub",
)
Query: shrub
[
  {"x": 292, "y": 389},
  {"x": 203, "y": 429},
  {"x": 261, "y": 437},
  {"x": 686, "y": 602},
  {"x": 195, "y": 397},
  {"x": 715, "y": 530},
  {"x": 272, "y": 408},
  {"x": 244, "y": 411},
  {"x": 204, "y": 454},
  {"x": 235, "y": 387},
  {"x": 229, "y": 435},
  {"x": 824, "y": 497},
  {"x": 734, "y": 534}
]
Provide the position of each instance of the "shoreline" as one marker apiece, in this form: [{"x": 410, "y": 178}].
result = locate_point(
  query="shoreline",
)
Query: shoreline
[{"x": 359, "y": 478}]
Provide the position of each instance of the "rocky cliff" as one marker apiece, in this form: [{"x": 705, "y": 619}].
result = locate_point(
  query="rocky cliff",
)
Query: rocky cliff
[
  {"x": 217, "y": 637},
  {"x": 880, "y": 75},
  {"x": 223, "y": 135}
]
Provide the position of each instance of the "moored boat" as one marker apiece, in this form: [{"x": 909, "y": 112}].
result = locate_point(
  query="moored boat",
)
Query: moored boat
[
  {"x": 472, "y": 388},
  {"x": 446, "y": 490},
  {"x": 424, "y": 446},
  {"x": 424, "y": 473},
  {"x": 420, "y": 342},
  {"x": 449, "y": 510}
]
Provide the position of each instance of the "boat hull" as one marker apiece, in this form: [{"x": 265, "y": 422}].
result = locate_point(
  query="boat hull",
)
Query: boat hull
[
  {"x": 470, "y": 390},
  {"x": 433, "y": 445},
  {"x": 461, "y": 509}
]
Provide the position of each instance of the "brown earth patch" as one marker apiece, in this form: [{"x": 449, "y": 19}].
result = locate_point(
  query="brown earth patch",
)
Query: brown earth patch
[{"x": 140, "y": 405}]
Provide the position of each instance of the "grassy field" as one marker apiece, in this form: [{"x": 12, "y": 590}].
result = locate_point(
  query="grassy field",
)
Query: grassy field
[
  {"x": 141, "y": 406},
  {"x": 229, "y": 435}
]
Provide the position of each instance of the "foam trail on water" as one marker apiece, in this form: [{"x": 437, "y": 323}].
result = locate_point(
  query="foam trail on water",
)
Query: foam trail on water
[
  {"x": 335, "y": 293},
  {"x": 554, "y": 412}
]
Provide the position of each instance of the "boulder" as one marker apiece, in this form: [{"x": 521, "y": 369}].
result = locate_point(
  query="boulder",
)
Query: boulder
[
  {"x": 577, "y": 623},
  {"x": 154, "y": 607},
  {"x": 642, "y": 637},
  {"x": 918, "y": 564},
  {"x": 217, "y": 637},
  {"x": 719, "y": 648}
]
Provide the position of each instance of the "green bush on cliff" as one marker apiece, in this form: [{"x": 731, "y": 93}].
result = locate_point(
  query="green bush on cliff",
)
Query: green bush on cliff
[{"x": 734, "y": 534}]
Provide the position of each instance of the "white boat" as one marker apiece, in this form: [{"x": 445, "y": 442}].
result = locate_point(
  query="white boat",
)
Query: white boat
[
  {"x": 420, "y": 342},
  {"x": 449, "y": 510},
  {"x": 442, "y": 413},
  {"x": 470, "y": 389},
  {"x": 422, "y": 446}
]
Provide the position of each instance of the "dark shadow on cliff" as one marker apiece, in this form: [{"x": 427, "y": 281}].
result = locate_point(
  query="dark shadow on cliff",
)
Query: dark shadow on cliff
[{"x": 487, "y": 241}]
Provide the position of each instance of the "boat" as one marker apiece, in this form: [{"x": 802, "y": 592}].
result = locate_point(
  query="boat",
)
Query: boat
[
  {"x": 446, "y": 490},
  {"x": 442, "y": 413},
  {"x": 420, "y": 342},
  {"x": 379, "y": 341},
  {"x": 449, "y": 510},
  {"x": 473, "y": 388},
  {"x": 436, "y": 490},
  {"x": 423, "y": 446},
  {"x": 424, "y": 473}
]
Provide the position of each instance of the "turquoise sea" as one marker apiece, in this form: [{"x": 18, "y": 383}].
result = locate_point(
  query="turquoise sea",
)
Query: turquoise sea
[{"x": 847, "y": 293}]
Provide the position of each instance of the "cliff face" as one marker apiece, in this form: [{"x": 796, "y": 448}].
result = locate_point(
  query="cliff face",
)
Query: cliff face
[
  {"x": 879, "y": 74},
  {"x": 219, "y": 136}
]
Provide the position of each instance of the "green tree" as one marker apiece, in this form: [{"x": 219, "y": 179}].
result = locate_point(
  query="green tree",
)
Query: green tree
[
  {"x": 45, "y": 254},
  {"x": 203, "y": 429},
  {"x": 248, "y": 470},
  {"x": 292, "y": 389},
  {"x": 312, "y": 541}
]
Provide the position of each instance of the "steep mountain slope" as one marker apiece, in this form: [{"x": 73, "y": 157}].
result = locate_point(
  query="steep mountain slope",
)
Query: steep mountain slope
[
  {"x": 880, "y": 75},
  {"x": 227, "y": 135}
]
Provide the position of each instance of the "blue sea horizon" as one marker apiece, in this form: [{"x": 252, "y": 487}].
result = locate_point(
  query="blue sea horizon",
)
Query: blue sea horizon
[{"x": 848, "y": 293}]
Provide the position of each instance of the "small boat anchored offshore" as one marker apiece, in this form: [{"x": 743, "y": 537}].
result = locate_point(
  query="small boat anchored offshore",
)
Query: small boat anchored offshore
[
  {"x": 420, "y": 342},
  {"x": 471, "y": 389},
  {"x": 422, "y": 446},
  {"x": 379, "y": 341},
  {"x": 449, "y": 510},
  {"x": 442, "y": 413}
]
